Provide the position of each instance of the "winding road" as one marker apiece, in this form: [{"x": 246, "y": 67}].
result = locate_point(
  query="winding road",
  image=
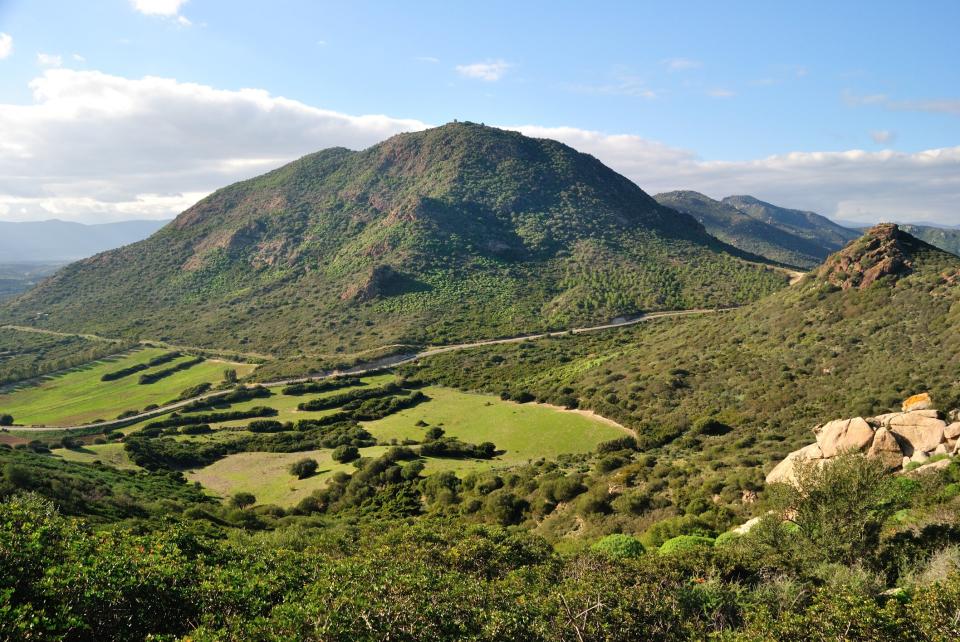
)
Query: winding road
[{"x": 379, "y": 364}]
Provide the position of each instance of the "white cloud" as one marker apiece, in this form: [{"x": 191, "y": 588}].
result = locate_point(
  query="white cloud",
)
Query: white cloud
[
  {"x": 882, "y": 136},
  {"x": 77, "y": 57},
  {"x": 681, "y": 64},
  {"x": 96, "y": 147},
  {"x": 166, "y": 8},
  {"x": 852, "y": 185},
  {"x": 49, "y": 60},
  {"x": 6, "y": 45},
  {"x": 934, "y": 105},
  {"x": 489, "y": 71},
  {"x": 720, "y": 92}
]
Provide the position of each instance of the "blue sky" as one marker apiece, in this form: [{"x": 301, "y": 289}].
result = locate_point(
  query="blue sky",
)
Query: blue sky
[{"x": 843, "y": 97}]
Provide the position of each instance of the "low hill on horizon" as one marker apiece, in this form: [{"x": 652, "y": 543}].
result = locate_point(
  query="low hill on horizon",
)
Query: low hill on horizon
[{"x": 456, "y": 232}]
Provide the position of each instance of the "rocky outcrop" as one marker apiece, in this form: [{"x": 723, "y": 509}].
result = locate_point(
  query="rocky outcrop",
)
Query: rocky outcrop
[
  {"x": 883, "y": 251},
  {"x": 897, "y": 439}
]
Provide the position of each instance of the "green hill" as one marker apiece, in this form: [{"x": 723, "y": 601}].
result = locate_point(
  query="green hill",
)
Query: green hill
[
  {"x": 456, "y": 232},
  {"x": 808, "y": 225},
  {"x": 748, "y": 232},
  {"x": 944, "y": 238}
]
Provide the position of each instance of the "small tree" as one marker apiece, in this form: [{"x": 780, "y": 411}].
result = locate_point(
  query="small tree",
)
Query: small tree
[
  {"x": 242, "y": 500},
  {"x": 6, "y": 420},
  {"x": 434, "y": 433},
  {"x": 230, "y": 376},
  {"x": 838, "y": 508},
  {"x": 345, "y": 453},
  {"x": 304, "y": 468}
]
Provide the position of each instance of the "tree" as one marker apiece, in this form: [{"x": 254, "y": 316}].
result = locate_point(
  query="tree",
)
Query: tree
[
  {"x": 434, "y": 433},
  {"x": 838, "y": 508},
  {"x": 6, "y": 420},
  {"x": 242, "y": 500},
  {"x": 345, "y": 453},
  {"x": 230, "y": 376},
  {"x": 304, "y": 468}
]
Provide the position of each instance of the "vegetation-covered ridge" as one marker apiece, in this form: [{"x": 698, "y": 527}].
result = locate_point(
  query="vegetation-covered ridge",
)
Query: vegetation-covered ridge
[
  {"x": 457, "y": 232},
  {"x": 751, "y": 229}
]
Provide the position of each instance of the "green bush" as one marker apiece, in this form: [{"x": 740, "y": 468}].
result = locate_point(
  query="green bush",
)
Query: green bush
[
  {"x": 684, "y": 544},
  {"x": 345, "y": 453},
  {"x": 618, "y": 545},
  {"x": 304, "y": 468}
]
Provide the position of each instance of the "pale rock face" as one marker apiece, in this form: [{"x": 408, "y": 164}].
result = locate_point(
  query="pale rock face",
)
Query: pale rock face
[
  {"x": 941, "y": 449},
  {"x": 785, "y": 472},
  {"x": 921, "y": 432},
  {"x": 952, "y": 431},
  {"x": 917, "y": 402},
  {"x": 919, "y": 456},
  {"x": 886, "y": 448},
  {"x": 745, "y": 527},
  {"x": 844, "y": 435}
]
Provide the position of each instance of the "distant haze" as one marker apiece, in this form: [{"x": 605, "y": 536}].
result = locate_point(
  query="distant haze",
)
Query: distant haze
[{"x": 54, "y": 240}]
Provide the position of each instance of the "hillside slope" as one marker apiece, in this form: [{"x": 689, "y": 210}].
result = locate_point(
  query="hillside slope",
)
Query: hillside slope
[
  {"x": 808, "y": 225},
  {"x": 849, "y": 339},
  {"x": 456, "y": 232},
  {"x": 944, "y": 238},
  {"x": 747, "y": 232}
]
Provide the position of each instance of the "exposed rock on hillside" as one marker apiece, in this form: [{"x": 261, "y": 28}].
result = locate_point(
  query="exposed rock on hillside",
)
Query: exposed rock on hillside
[
  {"x": 897, "y": 438},
  {"x": 883, "y": 251}
]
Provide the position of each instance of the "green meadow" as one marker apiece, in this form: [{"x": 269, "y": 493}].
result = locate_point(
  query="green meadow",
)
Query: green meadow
[
  {"x": 524, "y": 431},
  {"x": 79, "y": 396}
]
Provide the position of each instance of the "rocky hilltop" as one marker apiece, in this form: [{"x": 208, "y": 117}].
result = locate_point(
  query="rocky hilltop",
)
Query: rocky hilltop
[
  {"x": 899, "y": 439},
  {"x": 885, "y": 250}
]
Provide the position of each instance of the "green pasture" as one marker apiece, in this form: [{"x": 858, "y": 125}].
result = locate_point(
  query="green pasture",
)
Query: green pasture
[{"x": 79, "y": 396}]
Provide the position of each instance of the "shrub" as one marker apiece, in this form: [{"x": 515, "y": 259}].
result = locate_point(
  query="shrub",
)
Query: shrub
[
  {"x": 621, "y": 443},
  {"x": 685, "y": 543},
  {"x": 619, "y": 545},
  {"x": 710, "y": 426},
  {"x": 196, "y": 429},
  {"x": 242, "y": 500},
  {"x": 345, "y": 453},
  {"x": 304, "y": 468},
  {"x": 6, "y": 420}
]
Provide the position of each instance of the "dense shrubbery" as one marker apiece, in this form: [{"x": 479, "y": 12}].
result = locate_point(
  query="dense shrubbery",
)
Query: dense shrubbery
[
  {"x": 344, "y": 398},
  {"x": 153, "y": 377},
  {"x": 138, "y": 367},
  {"x": 332, "y": 383},
  {"x": 211, "y": 418},
  {"x": 234, "y": 396}
]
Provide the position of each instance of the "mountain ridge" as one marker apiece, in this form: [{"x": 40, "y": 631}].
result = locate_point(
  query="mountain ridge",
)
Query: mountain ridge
[{"x": 481, "y": 231}]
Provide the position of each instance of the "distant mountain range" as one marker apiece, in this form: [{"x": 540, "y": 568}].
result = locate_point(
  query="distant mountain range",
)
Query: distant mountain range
[
  {"x": 796, "y": 238},
  {"x": 61, "y": 241}
]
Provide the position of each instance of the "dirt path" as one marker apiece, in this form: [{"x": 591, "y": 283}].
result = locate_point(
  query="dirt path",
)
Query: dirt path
[
  {"x": 387, "y": 362},
  {"x": 590, "y": 415}
]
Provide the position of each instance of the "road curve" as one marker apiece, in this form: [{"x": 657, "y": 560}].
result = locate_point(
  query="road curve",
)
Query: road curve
[{"x": 379, "y": 364}]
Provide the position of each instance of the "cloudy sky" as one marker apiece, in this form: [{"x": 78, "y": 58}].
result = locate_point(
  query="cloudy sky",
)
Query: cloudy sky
[{"x": 123, "y": 109}]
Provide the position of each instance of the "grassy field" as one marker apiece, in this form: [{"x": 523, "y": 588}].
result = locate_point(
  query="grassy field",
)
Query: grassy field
[
  {"x": 110, "y": 454},
  {"x": 79, "y": 396},
  {"x": 524, "y": 431},
  {"x": 267, "y": 475}
]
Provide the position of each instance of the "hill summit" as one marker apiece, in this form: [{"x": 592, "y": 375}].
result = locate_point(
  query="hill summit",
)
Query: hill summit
[{"x": 451, "y": 233}]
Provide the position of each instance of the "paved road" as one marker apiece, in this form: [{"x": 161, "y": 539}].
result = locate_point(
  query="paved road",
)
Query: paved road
[{"x": 380, "y": 364}]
